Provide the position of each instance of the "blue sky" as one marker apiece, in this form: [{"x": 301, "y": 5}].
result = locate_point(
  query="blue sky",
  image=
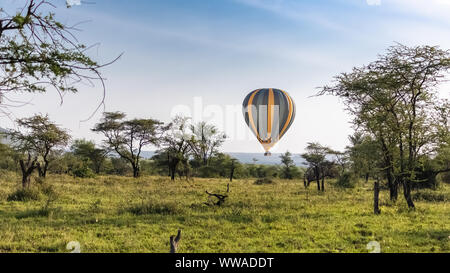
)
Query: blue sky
[{"x": 177, "y": 52}]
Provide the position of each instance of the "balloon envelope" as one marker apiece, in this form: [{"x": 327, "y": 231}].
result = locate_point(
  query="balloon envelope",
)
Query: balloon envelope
[{"x": 269, "y": 113}]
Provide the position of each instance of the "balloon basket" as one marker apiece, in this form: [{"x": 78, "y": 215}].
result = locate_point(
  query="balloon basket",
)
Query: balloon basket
[{"x": 267, "y": 154}]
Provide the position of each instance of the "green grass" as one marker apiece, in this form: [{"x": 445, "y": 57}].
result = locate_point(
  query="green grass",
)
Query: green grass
[{"x": 119, "y": 214}]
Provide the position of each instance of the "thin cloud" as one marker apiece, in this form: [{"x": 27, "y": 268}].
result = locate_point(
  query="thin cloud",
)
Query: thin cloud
[
  {"x": 373, "y": 2},
  {"x": 294, "y": 11},
  {"x": 228, "y": 40},
  {"x": 434, "y": 10}
]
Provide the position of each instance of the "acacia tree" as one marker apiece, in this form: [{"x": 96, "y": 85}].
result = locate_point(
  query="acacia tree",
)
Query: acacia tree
[
  {"x": 340, "y": 159},
  {"x": 205, "y": 141},
  {"x": 128, "y": 137},
  {"x": 87, "y": 149},
  {"x": 288, "y": 165},
  {"x": 319, "y": 166},
  {"x": 37, "y": 51},
  {"x": 37, "y": 139},
  {"x": 394, "y": 99},
  {"x": 175, "y": 144},
  {"x": 27, "y": 161}
]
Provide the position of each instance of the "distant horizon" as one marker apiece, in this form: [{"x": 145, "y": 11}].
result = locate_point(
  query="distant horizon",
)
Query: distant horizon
[{"x": 273, "y": 159}]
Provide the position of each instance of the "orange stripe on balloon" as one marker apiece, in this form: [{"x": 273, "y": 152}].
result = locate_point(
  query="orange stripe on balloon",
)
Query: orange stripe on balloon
[
  {"x": 290, "y": 114},
  {"x": 270, "y": 113}
]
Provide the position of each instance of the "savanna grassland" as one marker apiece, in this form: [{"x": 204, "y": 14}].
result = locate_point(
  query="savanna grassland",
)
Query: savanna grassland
[{"x": 120, "y": 214}]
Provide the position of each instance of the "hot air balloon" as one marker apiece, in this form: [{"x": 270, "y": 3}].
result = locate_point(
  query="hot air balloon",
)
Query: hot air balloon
[{"x": 269, "y": 113}]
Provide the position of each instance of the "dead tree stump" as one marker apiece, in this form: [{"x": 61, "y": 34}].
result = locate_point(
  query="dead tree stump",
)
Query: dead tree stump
[{"x": 174, "y": 242}]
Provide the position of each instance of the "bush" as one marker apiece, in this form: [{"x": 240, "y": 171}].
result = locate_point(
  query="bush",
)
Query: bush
[
  {"x": 264, "y": 181},
  {"x": 24, "y": 194},
  {"x": 346, "y": 180},
  {"x": 118, "y": 166},
  {"x": 208, "y": 172},
  {"x": 83, "y": 172},
  {"x": 430, "y": 196},
  {"x": 445, "y": 177},
  {"x": 47, "y": 189}
]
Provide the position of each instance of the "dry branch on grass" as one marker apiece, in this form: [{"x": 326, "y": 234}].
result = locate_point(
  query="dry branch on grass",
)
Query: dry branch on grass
[
  {"x": 174, "y": 242},
  {"x": 220, "y": 199}
]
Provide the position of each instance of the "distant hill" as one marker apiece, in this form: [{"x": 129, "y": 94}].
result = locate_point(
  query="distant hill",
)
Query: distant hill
[
  {"x": 274, "y": 159},
  {"x": 266, "y": 160}
]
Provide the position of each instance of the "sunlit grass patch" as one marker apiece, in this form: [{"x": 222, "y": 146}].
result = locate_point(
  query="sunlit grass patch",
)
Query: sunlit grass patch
[{"x": 121, "y": 214}]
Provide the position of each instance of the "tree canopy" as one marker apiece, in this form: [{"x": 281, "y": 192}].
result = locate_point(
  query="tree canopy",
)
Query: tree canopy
[
  {"x": 37, "y": 51},
  {"x": 36, "y": 139},
  {"x": 395, "y": 100},
  {"x": 128, "y": 137}
]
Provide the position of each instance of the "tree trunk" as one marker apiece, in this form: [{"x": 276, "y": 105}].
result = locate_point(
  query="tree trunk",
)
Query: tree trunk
[
  {"x": 97, "y": 167},
  {"x": 403, "y": 181},
  {"x": 168, "y": 164},
  {"x": 173, "y": 168},
  {"x": 42, "y": 171},
  {"x": 376, "y": 193},
  {"x": 407, "y": 194},
  {"x": 172, "y": 174},
  {"x": 27, "y": 170},
  {"x": 323, "y": 183},
  {"x": 231, "y": 174},
  {"x": 394, "y": 194},
  {"x": 25, "y": 180},
  {"x": 392, "y": 183},
  {"x": 317, "y": 178},
  {"x": 136, "y": 171},
  {"x": 367, "y": 177},
  {"x": 39, "y": 168},
  {"x": 393, "y": 188}
]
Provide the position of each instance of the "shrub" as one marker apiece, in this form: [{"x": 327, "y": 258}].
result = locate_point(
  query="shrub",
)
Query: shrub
[
  {"x": 83, "y": 172},
  {"x": 445, "y": 177},
  {"x": 346, "y": 180},
  {"x": 207, "y": 172},
  {"x": 263, "y": 181},
  {"x": 430, "y": 196},
  {"x": 48, "y": 190},
  {"x": 24, "y": 194}
]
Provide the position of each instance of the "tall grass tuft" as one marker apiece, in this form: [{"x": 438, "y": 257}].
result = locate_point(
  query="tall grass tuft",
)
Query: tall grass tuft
[
  {"x": 152, "y": 207},
  {"x": 24, "y": 195}
]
